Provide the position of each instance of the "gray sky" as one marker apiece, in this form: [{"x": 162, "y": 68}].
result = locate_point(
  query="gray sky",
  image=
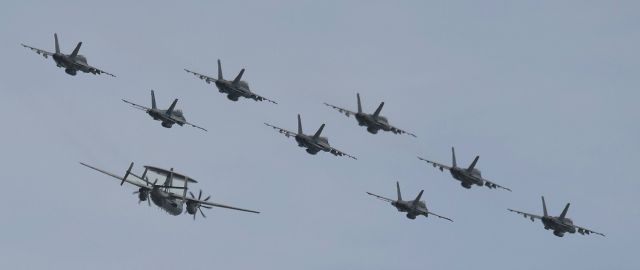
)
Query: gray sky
[{"x": 546, "y": 92}]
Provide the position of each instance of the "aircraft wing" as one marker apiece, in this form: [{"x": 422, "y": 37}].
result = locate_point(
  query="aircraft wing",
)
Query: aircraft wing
[
  {"x": 44, "y": 53},
  {"x": 526, "y": 215},
  {"x": 436, "y": 164},
  {"x": 116, "y": 176},
  {"x": 206, "y": 204},
  {"x": 93, "y": 70},
  {"x": 381, "y": 198},
  {"x": 222, "y": 206},
  {"x": 201, "y": 76},
  {"x": 340, "y": 153},
  {"x": 341, "y": 110},
  {"x": 442, "y": 217},
  {"x": 283, "y": 131},
  {"x": 490, "y": 184},
  {"x": 137, "y": 106},
  {"x": 261, "y": 98},
  {"x": 584, "y": 231},
  {"x": 195, "y": 126},
  {"x": 400, "y": 131}
]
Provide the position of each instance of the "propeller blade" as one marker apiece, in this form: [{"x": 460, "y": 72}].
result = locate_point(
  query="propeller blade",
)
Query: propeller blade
[
  {"x": 200, "y": 195},
  {"x": 206, "y": 206},
  {"x": 191, "y": 193},
  {"x": 207, "y": 198},
  {"x": 202, "y": 213}
]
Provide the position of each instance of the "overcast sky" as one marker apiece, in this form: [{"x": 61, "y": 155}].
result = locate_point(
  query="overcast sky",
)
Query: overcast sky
[{"x": 546, "y": 92}]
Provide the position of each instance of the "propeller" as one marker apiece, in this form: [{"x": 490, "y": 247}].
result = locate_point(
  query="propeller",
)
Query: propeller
[
  {"x": 198, "y": 205},
  {"x": 139, "y": 199}
]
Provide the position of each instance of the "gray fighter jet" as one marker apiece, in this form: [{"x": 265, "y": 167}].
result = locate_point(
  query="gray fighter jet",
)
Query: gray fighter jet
[
  {"x": 234, "y": 89},
  {"x": 70, "y": 62},
  {"x": 168, "y": 117},
  {"x": 466, "y": 176},
  {"x": 314, "y": 143},
  {"x": 560, "y": 224},
  {"x": 162, "y": 195},
  {"x": 373, "y": 122},
  {"x": 412, "y": 208}
]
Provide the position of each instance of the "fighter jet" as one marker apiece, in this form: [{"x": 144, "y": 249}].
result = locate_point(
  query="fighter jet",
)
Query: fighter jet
[
  {"x": 70, "y": 62},
  {"x": 314, "y": 143},
  {"x": 466, "y": 176},
  {"x": 234, "y": 89},
  {"x": 373, "y": 122},
  {"x": 168, "y": 117},
  {"x": 412, "y": 208},
  {"x": 162, "y": 196},
  {"x": 560, "y": 224}
]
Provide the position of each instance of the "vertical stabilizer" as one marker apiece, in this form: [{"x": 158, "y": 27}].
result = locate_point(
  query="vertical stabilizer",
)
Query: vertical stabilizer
[
  {"x": 473, "y": 164},
  {"x": 317, "y": 135},
  {"x": 564, "y": 212},
  {"x": 544, "y": 207},
  {"x": 173, "y": 106},
  {"x": 359, "y": 103},
  {"x": 219, "y": 70},
  {"x": 299, "y": 125},
  {"x": 418, "y": 197},
  {"x": 398, "y": 188},
  {"x": 377, "y": 112},
  {"x": 184, "y": 192},
  {"x": 453, "y": 158},
  {"x": 55, "y": 37},
  {"x": 169, "y": 180},
  {"x": 153, "y": 100},
  {"x": 76, "y": 50},
  {"x": 239, "y": 77},
  {"x": 127, "y": 174}
]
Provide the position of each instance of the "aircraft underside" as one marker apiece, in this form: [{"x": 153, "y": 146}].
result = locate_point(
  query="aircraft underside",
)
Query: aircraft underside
[
  {"x": 558, "y": 229},
  {"x": 233, "y": 94},
  {"x": 171, "y": 206}
]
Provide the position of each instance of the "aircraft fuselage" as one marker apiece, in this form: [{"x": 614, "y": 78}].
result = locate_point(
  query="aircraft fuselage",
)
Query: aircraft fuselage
[
  {"x": 558, "y": 225},
  {"x": 373, "y": 123},
  {"x": 167, "y": 120},
  {"x": 313, "y": 145},
  {"x": 467, "y": 178},
  {"x": 233, "y": 91},
  {"x": 162, "y": 199},
  {"x": 69, "y": 63},
  {"x": 408, "y": 207}
]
